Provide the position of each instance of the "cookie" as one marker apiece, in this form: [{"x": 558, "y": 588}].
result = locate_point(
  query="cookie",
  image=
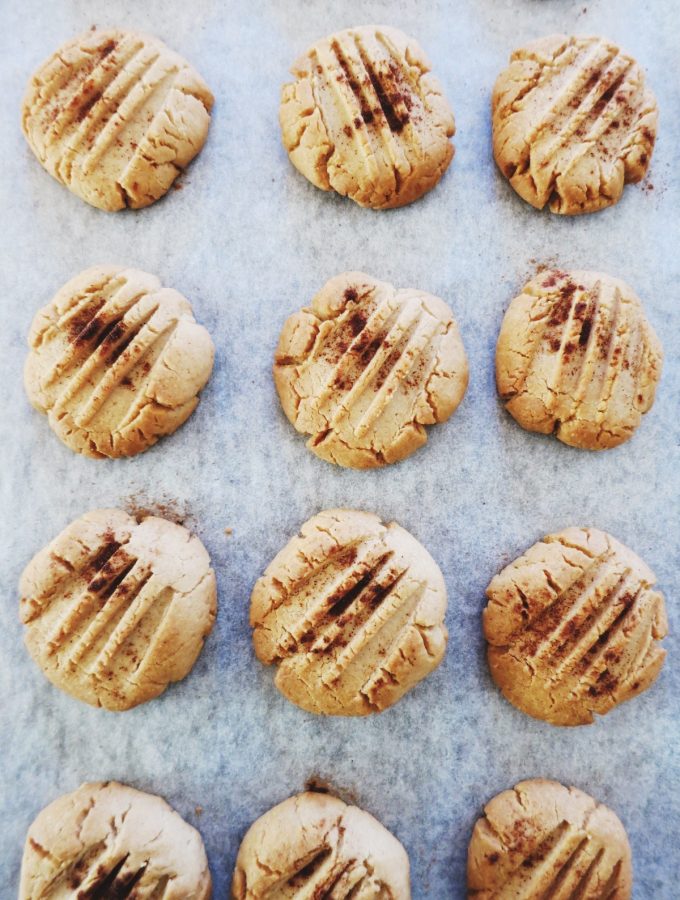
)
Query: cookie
[
  {"x": 576, "y": 356},
  {"x": 109, "y": 840},
  {"x": 314, "y": 845},
  {"x": 572, "y": 123},
  {"x": 117, "y": 609},
  {"x": 542, "y": 839},
  {"x": 574, "y": 626},
  {"x": 351, "y": 612},
  {"x": 116, "y": 361},
  {"x": 365, "y": 368},
  {"x": 115, "y": 116},
  {"x": 365, "y": 118}
]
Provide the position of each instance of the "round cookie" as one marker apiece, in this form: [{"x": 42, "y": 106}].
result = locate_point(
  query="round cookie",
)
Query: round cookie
[
  {"x": 542, "y": 839},
  {"x": 109, "y": 840},
  {"x": 576, "y": 356},
  {"x": 116, "y": 361},
  {"x": 366, "y": 366},
  {"x": 314, "y": 845},
  {"x": 574, "y": 626},
  {"x": 365, "y": 118},
  {"x": 117, "y": 609},
  {"x": 115, "y": 116},
  {"x": 351, "y": 612},
  {"x": 572, "y": 123}
]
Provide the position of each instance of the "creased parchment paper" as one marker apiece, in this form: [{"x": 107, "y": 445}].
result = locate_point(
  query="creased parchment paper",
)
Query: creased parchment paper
[{"x": 248, "y": 241}]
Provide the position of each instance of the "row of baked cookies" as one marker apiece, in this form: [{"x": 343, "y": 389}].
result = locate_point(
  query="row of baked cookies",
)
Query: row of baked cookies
[
  {"x": 116, "y": 361},
  {"x": 116, "y": 116},
  {"x": 350, "y": 612},
  {"x": 110, "y": 840}
]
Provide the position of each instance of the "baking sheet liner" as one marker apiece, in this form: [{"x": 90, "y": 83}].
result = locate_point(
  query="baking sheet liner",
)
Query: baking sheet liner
[{"x": 248, "y": 240}]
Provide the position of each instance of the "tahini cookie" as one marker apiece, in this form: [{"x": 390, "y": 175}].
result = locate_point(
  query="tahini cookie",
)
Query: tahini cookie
[
  {"x": 366, "y": 367},
  {"x": 577, "y": 357},
  {"x": 116, "y": 609},
  {"x": 116, "y": 361},
  {"x": 574, "y": 627},
  {"x": 116, "y": 116},
  {"x": 573, "y": 122},
  {"x": 314, "y": 845},
  {"x": 365, "y": 118},
  {"x": 542, "y": 839},
  {"x": 108, "y": 840},
  {"x": 351, "y": 612}
]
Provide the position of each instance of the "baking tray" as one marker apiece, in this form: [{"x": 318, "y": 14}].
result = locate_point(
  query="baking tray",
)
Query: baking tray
[{"x": 248, "y": 240}]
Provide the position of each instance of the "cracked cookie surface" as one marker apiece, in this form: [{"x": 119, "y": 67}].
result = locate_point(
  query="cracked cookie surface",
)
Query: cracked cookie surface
[
  {"x": 116, "y": 116},
  {"x": 315, "y": 845},
  {"x": 542, "y": 839},
  {"x": 573, "y": 122},
  {"x": 109, "y": 840},
  {"x": 115, "y": 609},
  {"x": 366, "y": 118},
  {"x": 577, "y": 357},
  {"x": 366, "y": 367},
  {"x": 574, "y": 627},
  {"x": 351, "y": 612},
  {"x": 116, "y": 361}
]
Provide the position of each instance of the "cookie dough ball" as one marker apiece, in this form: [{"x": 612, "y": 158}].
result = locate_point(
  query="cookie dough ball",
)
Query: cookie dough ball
[
  {"x": 365, "y": 118},
  {"x": 314, "y": 845},
  {"x": 115, "y": 116},
  {"x": 116, "y": 361},
  {"x": 351, "y": 612},
  {"x": 572, "y": 123},
  {"x": 574, "y": 627},
  {"x": 542, "y": 839},
  {"x": 117, "y": 609},
  {"x": 577, "y": 357},
  {"x": 109, "y": 840},
  {"x": 366, "y": 367}
]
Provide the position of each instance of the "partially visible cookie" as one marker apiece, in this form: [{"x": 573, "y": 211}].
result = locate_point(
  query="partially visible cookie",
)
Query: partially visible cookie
[
  {"x": 573, "y": 122},
  {"x": 577, "y": 356},
  {"x": 314, "y": 845},
  {"x": 117, "y": 609},
  {"x": 541, "y": 840},
  {"x": 351, "y": 612},
  {"x": 366, "y": 367},
  {"x": 115, "y": 116},
  {"x": 574, "y": 626},
  {"x": 365, "y": 117},
  {"x": 116, "y": 361},
  {"x": 109, "y": 840}
]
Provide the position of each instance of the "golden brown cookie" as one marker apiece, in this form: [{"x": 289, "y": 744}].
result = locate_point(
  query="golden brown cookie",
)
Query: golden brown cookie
[
  {"x": 117, "y": 609},
  {"x": 542, "y": 840},
  {"x": 115, "y": 116},
  {"x": 365, "y": 368},
  {"x": 572, "y": 123},
  {"x": 574, "y": 626},
  {"x": 365, "y": 117},
  {"x": 116, "y": 361},
  {"x": 576, "y": 356},
  {"x": 351, "y": 612},
  {"x": 108, "y": 840},
  {"x": 314, "y": 845}
]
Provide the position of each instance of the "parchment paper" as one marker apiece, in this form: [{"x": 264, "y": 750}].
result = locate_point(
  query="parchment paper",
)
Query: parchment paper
[{"x": 248, "y": 240}]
